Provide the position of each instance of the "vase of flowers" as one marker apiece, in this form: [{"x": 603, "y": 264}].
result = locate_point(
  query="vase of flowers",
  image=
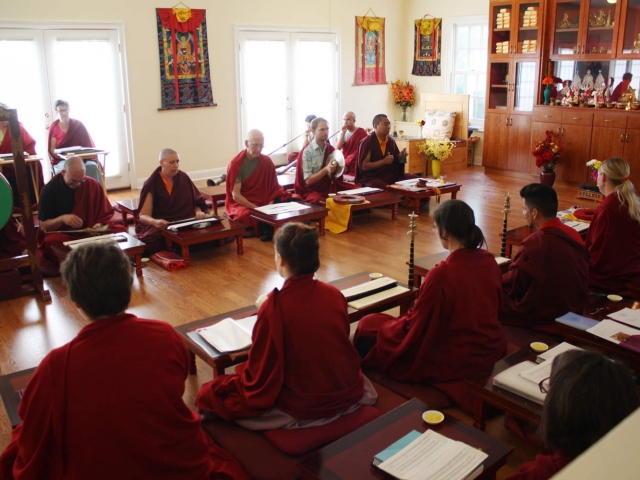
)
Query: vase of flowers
[
  {"x": 421, "y": 124},
  {"x": 436, "y": 150},
  {"x": 547, "y": 82},
  {"x": 547, "y": 155},
  {"x": 404, "y": 95},
  {"x": 594, "y": 166}
]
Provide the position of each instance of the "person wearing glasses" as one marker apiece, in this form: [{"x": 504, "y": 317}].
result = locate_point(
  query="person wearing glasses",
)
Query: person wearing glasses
[
  {"x": 252, "y": 182},
  {"x": 453, "y": 331},
  {"x": 588, "y": 394},
  {"x": 70, "y": 201}
]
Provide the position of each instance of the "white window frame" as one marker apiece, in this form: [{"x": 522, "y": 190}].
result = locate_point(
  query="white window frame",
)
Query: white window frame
[{"x": 449, "y": 32}]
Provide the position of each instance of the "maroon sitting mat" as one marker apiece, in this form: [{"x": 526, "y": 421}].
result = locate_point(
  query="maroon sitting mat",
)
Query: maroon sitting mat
[{"x": 169, "y": 260}]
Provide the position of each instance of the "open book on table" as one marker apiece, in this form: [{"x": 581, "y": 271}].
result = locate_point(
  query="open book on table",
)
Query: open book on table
[{"x": 229, "y": 335}]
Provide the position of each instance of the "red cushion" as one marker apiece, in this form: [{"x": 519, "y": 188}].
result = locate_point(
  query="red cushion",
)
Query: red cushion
[
  {"x": 301, "y": 440},
  {"x": 585, "y": 213}
]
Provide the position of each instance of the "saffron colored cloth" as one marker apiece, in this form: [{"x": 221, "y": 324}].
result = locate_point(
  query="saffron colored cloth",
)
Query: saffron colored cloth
[
  {"x": 260, "y": 188},
  {"x": 385, "y": 175},
  {"x": 613, "y": 241},
  {"x": 77, "y": 135},
  {"x": 547, "y": 278},
  {"x": 338, "y": 216},
  {"x": 12, "y": 242},
  {"x": 350, "y": 150},
  {"x": 91, "y": 205},
  {"x": 320, "y": 190},
  {"x": 29, "y": 146},
  {"x": 542, "y": 468},
  {"x": 301, "y": 360},
  {"x": 89, "y": 412},
  {"x": 451, "y": 333},
  {"x": 178, "y": 205}
]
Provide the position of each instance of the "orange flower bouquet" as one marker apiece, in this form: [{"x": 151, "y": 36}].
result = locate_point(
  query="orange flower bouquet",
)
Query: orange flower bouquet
[{"x": 404, "y": 94}]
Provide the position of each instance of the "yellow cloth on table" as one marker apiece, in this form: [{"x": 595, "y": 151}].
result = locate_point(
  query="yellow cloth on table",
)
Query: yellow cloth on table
[
  {"x": 572, "y": 218},
  {"x": 338, "y": 217}
]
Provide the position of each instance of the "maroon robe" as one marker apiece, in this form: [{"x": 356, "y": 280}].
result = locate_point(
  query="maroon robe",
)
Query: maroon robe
[
  {"x": 92, "y": 206},
  {"x": 451, "y": 333},
  {"x": 350, "y": 150},
  {"x": 181, "y": 204},
  {"x": 613, "y": 241},
  {"x": 301, "y": 360},
  {"x": 29, "y": 146},
  {"x": 77, "y": 135},
  {"x": 109, "y": 405},
  {"x": 542, "y": 468},
  {"x": 547, "y": 278},
  {"x": 261, "y": 188},
  {"x": 12, "y": 242},
  {"x": 383, "y": 176},
  {"x": 320, "y": 190}
]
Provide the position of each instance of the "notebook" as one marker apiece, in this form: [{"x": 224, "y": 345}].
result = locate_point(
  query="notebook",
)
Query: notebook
[
  {"x": 511, "y": 381},
  {"x": 229, "y": 335},
  {"x": 361, "y": 191},
  {"x": 577, "y": 321},
  {"x": 395, "y": 447}
]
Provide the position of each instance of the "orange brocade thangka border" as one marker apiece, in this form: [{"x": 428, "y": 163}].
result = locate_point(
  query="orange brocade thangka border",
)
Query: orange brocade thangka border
[{"x": 370, "y": 51}]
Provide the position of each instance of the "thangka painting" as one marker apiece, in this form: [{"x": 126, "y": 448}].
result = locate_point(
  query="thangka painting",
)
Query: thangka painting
[
  {"x": 428, "y": 38},
  {"x": 184, "y": 58},
  {"x": 370, "y": 50}
]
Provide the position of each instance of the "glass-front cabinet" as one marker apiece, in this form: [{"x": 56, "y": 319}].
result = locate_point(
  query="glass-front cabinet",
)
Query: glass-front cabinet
[
  {"x": 512, "y": 85},
  {"x": 516, "y": 28},
  {"x": 629, "y": 39}
]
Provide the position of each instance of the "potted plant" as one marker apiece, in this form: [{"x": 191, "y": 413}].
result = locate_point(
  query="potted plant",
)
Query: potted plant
[
  {"x": 404, "y": 94},
  {"x": 437, "y": 150},
  {"x": 547, "y": 154}
]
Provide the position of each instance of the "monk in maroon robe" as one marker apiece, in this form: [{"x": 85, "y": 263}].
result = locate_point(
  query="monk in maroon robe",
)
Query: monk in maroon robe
[
  {"x": 613, "y": 239},
  {"x": 549, "y": 275},
  {"x": 12, "y": 242},
  {"x": 108, "y": 404},
  {"x": 622, "y": 87},
  {"x": 70, "y": 201},
  {"x": 167, "y": 195},
  {"x": 302, "y": 366},
  {"x": 380, "y": 162},
  {"x": 251, "y": 182},
  {"x": 315, "y": 175},
  {"x": 349, "y": 141},
  {"x": 453, "y": 331}
]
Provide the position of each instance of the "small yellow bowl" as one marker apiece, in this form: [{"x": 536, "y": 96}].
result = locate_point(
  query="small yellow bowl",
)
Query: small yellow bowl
[
  {"x": 144, "y": 259},
  {"x": 433, "y": 417},
  {"x": 375, "y": 275},
  {"x": 539, "y": 347},
  {"x": 614, "y": 298}
]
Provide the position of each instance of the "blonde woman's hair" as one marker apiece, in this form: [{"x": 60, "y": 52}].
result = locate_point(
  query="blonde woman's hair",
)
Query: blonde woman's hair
[{"x": 618, "y": 171}]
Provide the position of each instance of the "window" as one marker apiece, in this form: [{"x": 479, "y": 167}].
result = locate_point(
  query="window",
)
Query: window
[{"x": 468, "y": 68}]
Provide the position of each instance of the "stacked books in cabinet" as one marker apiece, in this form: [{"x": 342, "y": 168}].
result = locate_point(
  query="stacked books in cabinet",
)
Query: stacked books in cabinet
[
  {"x": 503, "y": 18},
  {"x": 530, "y": 17}
]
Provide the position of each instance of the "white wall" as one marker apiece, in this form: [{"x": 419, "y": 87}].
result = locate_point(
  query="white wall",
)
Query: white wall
[{"x": 207, "y": 137}]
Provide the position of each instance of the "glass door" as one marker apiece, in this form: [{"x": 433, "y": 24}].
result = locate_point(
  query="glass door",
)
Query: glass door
[
  {"x": 501, "y": 38},
  {"x": 566, "y": 28},
  {"x": 630, "y": 25},
  {"x": 600, "y": 38},
  {"x": 524, "y": 85},
  {"x": 499, "y": 86},
  {"x": 528, "y": 29}
]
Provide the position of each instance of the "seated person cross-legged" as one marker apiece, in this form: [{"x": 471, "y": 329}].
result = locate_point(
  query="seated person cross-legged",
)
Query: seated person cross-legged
[
  {"x": 587, "y": 395},
  {"x": 349, "y": 141},
  {"x": 613, "y": 239},
  {"x": 453, "y": 331},
  {"x": 252, "y": 182},
  {"x": 167, "y": 195},
  {"x": 302, "y": 370},
  {"x": 109, "y": 403},
  {"x": 549, "y": 275},
  {"x": 380, "y": 162},
  {"x": 70, "y": 201},
  {"x": 315, "y": 175}
]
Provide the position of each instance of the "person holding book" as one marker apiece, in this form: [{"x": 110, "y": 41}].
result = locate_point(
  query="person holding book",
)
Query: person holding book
[
  {"x": 109, "y": 403},
  {"x": 549, "y": 275},
  {"x": 302, "y": 370},
  {"x": 588, "y": 394},
  {"x": 453, "y": 331},
  {"x": 613, "y": 239}
]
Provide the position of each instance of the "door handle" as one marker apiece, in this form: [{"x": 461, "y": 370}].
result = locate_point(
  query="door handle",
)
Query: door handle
[
  {"x": 547, "y": 116},
  {"x": 511, "y": 122},
  {"x": 47, "y": 127},
  {"x": 563, "y": 131},
  {"x": 576, "y": 118},
  {"x": 506, "y": 120},
  {"x": 626, "y": 137},
  {"x": 607, "y": 121},
  {"x": 46, "y": 115},
  {"x": 622, "y": 137}
]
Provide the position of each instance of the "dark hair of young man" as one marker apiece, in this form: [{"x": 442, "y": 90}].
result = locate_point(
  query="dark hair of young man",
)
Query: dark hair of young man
[
  {"x": 298, "y": 245},
  {"x": 458, "y": 219},
  {"x": 316, "y": 121},
  {"x": 61, "y": 103},
  {"x": 309, "y": 118},
  {"x": 98, "y": 277},
  {"x": 589, "y": 394},
  {"x": 541, "y": 197},
  {"x": 378, "y": 118}
]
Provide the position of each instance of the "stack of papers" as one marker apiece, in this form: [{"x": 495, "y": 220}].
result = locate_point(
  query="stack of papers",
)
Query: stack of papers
[
  {"x": 513, "y": 380},
  {"x": 378, "y": 297},
  {"x": 628, "y": 316},
  {"x": 276, "y": 208},
  {"x": 577, "y": 226},
  {"x": 361, "y": 191},
  {"x": 230, "y": 335},
  {"x": 555, "y": 351},
  {"x": 369, "y": 288},
  {"x": 176, "y": 226},
  {"x": 613, "y": 331}
]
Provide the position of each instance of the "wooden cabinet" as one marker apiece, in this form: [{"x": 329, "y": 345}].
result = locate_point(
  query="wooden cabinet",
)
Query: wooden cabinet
[
  {"x": 515, "y": 28},
  {"x": 629, "y": 30},
  {"x": 618, "y": 135}
]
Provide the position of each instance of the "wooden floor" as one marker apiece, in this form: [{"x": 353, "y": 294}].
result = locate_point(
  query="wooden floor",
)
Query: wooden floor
[{"x": 219, "y": 280}]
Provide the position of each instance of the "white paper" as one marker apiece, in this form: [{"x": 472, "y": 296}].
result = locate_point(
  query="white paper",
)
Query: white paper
[
  {"x": 247, "y": 324},
  {"x": 628, "y": 316},
  {"x": 577, "y": 226},
  {"x": 613, "y": 331},
  {"x": 276, "y": 208},
  {"x": 501, "y": 260},
  {"x": 377, "y": 297},
  {"x": 538, "y": 373},
  {"x": 360, "y": 191},
  {"x": 112, "y": 237},
  {"x": 227, "y": 335},
  {"x": 368, "y": 286},
  {"x": 68, "y": 149},
  {"x": 407, "y": 183},
  {"x": 557, "y": 350},
  {"x": 177, "y": 226}
]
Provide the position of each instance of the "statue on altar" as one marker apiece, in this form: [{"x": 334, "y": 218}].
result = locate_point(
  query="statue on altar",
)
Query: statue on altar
[{"x": 636, "y": 45}]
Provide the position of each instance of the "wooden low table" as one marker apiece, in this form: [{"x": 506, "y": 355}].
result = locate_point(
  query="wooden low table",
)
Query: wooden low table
[
  {"x": 350, "y": 457},
  {"x": 515, "y": 237},
  {"x": 220, "y": 361},
  {"x": 11, "y": 386},
  {"x": 424, "y": 194},
  {"x": 130, "y": 207},
  {"x": 31, "y": 162},
  {"x": 186, "y": 237},
  {"x": 381, "y": 199},
  {"x": 214, "y": 194},
  {"x": 422, "y": 265},
  {"x": 131, "y": 247},
  {"x": 312, "y": 212}
]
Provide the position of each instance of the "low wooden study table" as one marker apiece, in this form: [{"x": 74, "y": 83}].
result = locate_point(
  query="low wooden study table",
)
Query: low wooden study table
[
  {"x": 219, "y": 361},
  {"x": 419, "y": 195},
  {"x": 130, "y": 207},
  {"x": 10, "y": 387},
  {"x": 88, "y": 153},
  {"x": 515, "y": 237},
  {"x": 32, "y": 165},
  {"x": 276, "y": 220},
  {"x": 381, "y": 199},
  {"x": 350, "y": 457},
  {"x": 422, "y": 265}
]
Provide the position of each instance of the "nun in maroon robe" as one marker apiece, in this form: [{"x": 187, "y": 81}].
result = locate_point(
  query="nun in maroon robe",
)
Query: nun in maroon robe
[
  {"x": 350, "y": 150},
  {"x": 29, "y": 146},
  {"x": 177, "y": 205},
  {"x": 12, "y": 242},
  {"x": 260, "y": 188},
  {"x": 77, "y": 135},
  {"x": 385, "y": 175}
]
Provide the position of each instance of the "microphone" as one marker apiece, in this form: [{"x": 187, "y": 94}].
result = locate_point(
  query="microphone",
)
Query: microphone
[{"x": 212, "y": 182}]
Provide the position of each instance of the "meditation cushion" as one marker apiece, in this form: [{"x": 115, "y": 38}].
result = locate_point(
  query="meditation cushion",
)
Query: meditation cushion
[
  {"x": 169, "y": 260},
  {"x": 301, "y": 440},
  {"x": 438, "y": 124},
  {"x": 585, "y": 213}
]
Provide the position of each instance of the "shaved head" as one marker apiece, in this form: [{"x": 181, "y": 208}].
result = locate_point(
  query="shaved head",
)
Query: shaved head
[
  {"x": 255, "y": 136},
  {"x": 254, "y": 144},
  {"x": 166, "y": 152},
  {"x": 350, "y": 115},
  {"x": 73, "y": 164}
]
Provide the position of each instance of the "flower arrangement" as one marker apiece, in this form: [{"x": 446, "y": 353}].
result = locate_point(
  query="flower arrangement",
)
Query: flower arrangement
[
  {"x": 404, "y": 94},
  {"x": 547, "y": 153},
  {"x": 436, "y": 149},
  {"x": 548, "y": 80},
  {"x": 419, "y": 122},
  {"x": 594, "y": 165}
]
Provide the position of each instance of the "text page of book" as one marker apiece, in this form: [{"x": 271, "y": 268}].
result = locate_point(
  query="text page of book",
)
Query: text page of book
[
  {"x": 628, "y": 316},
  {"x": 276, "y": 208},
  {"x": 613, "y": 331},
  {"x": 226, "y": 336}
]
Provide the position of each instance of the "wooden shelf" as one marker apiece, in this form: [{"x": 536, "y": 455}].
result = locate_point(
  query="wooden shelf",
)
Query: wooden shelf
[
  {"x": 528, "y": 28},
  {"x": 566, "y": 30},
  {"x": 501, "y": 29},
  {"x": 499, "y": 86},
  {"x": 593, "y": 29}
]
